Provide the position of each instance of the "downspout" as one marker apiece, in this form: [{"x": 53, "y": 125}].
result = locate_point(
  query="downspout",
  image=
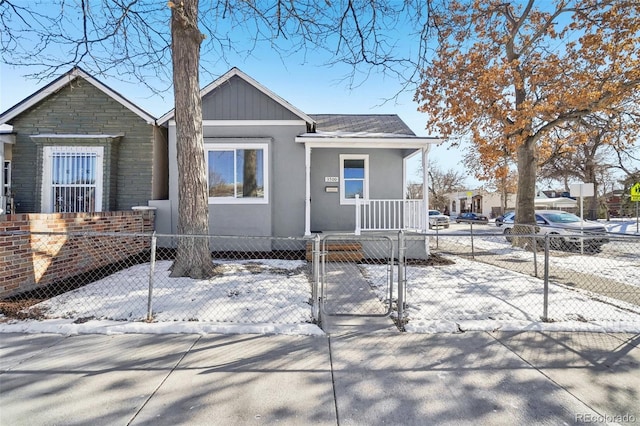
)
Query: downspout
[
  {"x": 425, "y": 196},
  {"x": 307, "y": 195},
  {"x": 425, "y": 187}
]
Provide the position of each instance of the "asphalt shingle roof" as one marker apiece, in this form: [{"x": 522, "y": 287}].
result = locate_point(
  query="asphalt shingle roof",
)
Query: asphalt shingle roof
[{"x": 370, "y": 123}]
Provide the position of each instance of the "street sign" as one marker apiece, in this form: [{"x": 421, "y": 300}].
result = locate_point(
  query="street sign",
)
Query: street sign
[
  {"x": 581, "y": 190},
  {"x": 635, "y": 192}
]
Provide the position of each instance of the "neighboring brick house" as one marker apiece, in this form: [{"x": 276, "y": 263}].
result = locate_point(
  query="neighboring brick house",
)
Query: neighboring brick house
[{"x": 78, "y": 146}]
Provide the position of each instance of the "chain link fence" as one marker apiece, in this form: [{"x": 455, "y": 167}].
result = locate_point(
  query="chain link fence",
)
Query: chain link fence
[
  {"x": 532, "y": 278},
  {"x": 421, "y": 280},
  {"x": 252, "y": 279}
]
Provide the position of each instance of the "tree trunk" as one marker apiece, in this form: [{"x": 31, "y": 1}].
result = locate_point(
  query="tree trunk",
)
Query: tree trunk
[
  {"x": 249, "y": 179},
  {"x": 193, "y": 256},
  {"x": 504, "y": 194},
  {"x": 590, "y": 177},
  {"x": 525, "y": 209}
]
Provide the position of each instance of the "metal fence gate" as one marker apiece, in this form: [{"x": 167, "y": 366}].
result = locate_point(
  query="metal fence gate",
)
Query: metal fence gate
[{"x": 346, "y": 287}]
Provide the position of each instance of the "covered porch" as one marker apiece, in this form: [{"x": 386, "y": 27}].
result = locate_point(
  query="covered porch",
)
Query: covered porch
[{"x": 356, "y": 181}]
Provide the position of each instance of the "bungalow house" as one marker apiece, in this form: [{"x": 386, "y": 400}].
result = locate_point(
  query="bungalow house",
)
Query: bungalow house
[
  {"x": 555, "y": 200},
  {"x": 274, "y": 170},
  {"x": 76, "y": 145},
  {"x": 489, "y": 203},
  {"x": 479, "y": 201}
]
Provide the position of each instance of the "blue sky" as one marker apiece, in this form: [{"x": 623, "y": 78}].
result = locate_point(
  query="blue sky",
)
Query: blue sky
[
  {"x": 302, "y": 79},
  {"x": 313, "y": 89}
]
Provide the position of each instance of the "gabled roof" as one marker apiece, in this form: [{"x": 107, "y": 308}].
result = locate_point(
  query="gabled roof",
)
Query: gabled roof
[
  {"x": 236, "y": 72},
  {"x": 64, "y": 81},
  {"x": 356, "y": 123}
]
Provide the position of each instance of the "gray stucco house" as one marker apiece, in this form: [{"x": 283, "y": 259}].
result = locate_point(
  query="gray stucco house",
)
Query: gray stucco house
[
  {"x": 76, "y": 145},
  {"x": 274, "y": 170}
]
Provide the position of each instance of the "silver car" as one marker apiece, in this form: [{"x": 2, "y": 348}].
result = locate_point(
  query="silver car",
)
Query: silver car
[
  {"x": 569, "y": 230},
  {"x": 437, "y": 219}
]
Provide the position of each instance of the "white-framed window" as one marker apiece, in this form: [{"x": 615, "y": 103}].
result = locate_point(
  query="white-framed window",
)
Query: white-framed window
[
  {"x": 238, "y": 173},
  {"x": 354, "y": 177},
  {"x": 72, "y": 179}
]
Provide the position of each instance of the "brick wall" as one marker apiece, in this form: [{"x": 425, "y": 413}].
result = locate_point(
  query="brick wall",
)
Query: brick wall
[{"x": 40, "y": 249}]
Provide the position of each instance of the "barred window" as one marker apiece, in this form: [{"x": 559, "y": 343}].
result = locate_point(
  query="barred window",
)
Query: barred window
[{"x": 72, "y": 180}]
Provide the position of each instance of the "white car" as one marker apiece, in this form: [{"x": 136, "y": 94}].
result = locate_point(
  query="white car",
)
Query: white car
[
  {"x": 437, "y": 219},
  {"x": 569, "y": 228}
]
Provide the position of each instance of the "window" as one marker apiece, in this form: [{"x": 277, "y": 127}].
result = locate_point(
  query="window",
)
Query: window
[
  {"x": 354, "y": 177},
  {"x": 237, "y": 173},
  {"x": 72, "y": 179}
]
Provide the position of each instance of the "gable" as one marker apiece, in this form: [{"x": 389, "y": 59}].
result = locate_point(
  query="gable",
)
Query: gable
[
  {"x": 80, "y": 116},
  {"x": 236, "y": 99},
  {"x": 77, "y": 108},
  {"x": 236, "y": 96},
  {"x": 74, "y": 77}
]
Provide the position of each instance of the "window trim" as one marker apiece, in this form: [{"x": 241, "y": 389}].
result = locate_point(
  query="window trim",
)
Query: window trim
[
  {"x": 47, "y": 179},
  {"x": 343, "y": 157},
  {"x": 234, "y": 147}
]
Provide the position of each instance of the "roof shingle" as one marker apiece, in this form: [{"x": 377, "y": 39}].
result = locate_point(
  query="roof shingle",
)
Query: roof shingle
[{"x": 369, "y": 123}]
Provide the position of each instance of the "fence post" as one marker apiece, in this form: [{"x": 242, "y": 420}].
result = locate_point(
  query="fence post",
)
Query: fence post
[
  {"x": 315, "y": 291},
  {"x": 152, "y": 267},
  {"x": 358, "y": 226},
  {"x": 401, "y": 277},
  {"x": 545, "y": 306},
  {"x": 535, "y": 254},
  {"x": 473, "y": 254}
]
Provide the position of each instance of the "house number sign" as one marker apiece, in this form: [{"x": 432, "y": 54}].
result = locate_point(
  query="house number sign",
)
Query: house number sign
[{"x": 331, "y": 179}]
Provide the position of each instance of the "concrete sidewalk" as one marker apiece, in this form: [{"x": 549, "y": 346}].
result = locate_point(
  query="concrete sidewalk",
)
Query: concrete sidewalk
[{"x": 347, "y": 378}]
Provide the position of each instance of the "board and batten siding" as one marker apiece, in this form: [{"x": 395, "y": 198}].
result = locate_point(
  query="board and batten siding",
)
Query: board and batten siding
[{"x": 236, "y": 99}]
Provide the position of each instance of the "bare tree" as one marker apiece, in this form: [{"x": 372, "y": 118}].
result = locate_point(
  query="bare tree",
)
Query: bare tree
[
  {"x": 442, "y": 183},
  {"x": 131, "y": 38},
  {"x": 495, "y": 66},
  {"x": 193, "y": 256},
  {"x": 589, "y": 149},
  {"x": 414, "y": 191}
]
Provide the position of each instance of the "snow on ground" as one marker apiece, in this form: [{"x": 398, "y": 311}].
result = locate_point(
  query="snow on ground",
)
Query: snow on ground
[
  {"x": 625, "y": 268},
  {"x": 272, "y": 296},
  {"x": 266, "y": 296},
  {"x": 629, "y": 226},
  {"x": 474, "y": 296}
]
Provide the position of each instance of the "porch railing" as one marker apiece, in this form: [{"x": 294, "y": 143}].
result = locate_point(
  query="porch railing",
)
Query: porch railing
[{"x": 390, "y": 215}]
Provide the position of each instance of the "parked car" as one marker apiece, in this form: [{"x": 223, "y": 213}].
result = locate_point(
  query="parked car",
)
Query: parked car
[
  {"x": 472, "y": 217},
  {"x": 507, "y": 217},
  {"x": 568, "y": 227},
  {"x": 437, "y": 219}
]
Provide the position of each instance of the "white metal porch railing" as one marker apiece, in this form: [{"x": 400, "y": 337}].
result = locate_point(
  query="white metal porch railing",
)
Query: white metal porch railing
[{"x": 390, "y": 215}]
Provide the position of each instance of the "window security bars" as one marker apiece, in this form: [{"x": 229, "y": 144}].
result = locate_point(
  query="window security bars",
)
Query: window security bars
[{"x": 73, "y": 182}]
